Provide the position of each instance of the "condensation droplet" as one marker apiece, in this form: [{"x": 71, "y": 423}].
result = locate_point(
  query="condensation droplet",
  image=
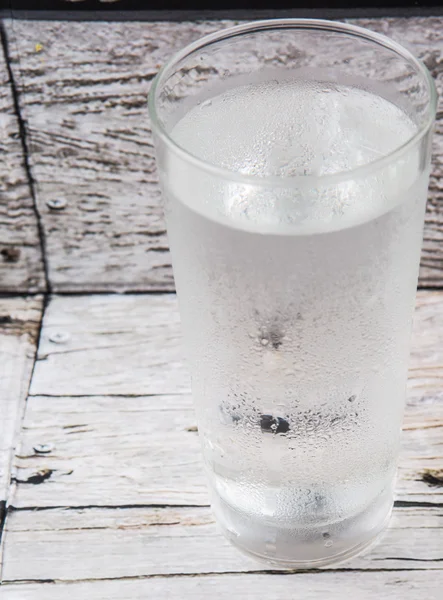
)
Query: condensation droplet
[{"x": 271, "y": 548}]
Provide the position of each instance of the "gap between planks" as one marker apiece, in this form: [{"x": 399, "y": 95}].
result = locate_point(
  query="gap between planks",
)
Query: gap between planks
[
  {"x": 19, "y": 326},
  {"x": 86, "y": 469},
  {"x": 426, "y": 352},
  {"x": 22, "y": 129},
  {"x": 389, "y": 585},
  {"x": 54, "y": 545},
  {"x": 12, "y": 508}
]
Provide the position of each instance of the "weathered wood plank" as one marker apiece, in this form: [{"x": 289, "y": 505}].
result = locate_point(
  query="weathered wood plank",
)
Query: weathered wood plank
[
  {"x": 390, "y": 585},
  {"x": 85, "y": 103},
  {"x": 125, "y": 450},
  {"x": 424, "y": 37},
  {"x": 19, "y": 324},
  {"x": 71, "y": 545},
  {"x": 21, "y": 267},
  {"x": 91, "y": 147},
  {"x": 116, "y": 344},
  {"x": 110, "y": 451},
  {"x": 426, "y": 360},
  {"x": 131, "y": 344}
]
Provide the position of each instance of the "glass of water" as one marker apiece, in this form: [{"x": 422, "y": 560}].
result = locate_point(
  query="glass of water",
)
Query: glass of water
[{"x": 294, "y": 159}]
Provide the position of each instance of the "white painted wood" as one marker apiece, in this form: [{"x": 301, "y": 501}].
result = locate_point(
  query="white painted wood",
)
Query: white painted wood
[
  {"x": 426, "y": 361},
  {"x": 116, "y": 344},
  {"x": 85, "y": 105},
  {"x": 20, "y": 257},
  {"x": 131, "y": 344},
  {"x": 71, "y": 545},
  {"x": 111, "y": 451},
  {"x": 116, "y": 450},
  {"x": 19, "y": 324},
  {"x": 110, "y": 393},
  {"x": 330, "y": 585},
  {"x": 86, "y": 467}
]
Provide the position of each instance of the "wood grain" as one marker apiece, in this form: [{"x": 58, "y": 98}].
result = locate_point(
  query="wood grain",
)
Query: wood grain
[
  {"x": 19, "y": 324},
  {"x": 113, "y": 450},
  {"x": 84, "y": 99},
  {"x": 21, "y": 268},
  {"x": 131, "y": 344},
  {"x": 121, "y": 496},
  {"x": 424, "y": 37},
  {"x": 390, "y": 585},
  {"x": 71, "y": 545},
  {"x": 116, "y": 506},
  {"x": 85, "y": 103},
  {"x": 111, "y": 344}
]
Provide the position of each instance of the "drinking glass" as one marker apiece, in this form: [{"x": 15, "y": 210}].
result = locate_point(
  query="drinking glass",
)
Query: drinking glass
[{"x": 294, "y": 158}]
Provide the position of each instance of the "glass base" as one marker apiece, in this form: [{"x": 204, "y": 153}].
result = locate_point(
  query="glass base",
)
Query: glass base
[{"x": 292, "y": 546}]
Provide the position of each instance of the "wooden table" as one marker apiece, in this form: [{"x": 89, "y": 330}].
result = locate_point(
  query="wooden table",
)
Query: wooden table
[{"x": 101, "y": 486}]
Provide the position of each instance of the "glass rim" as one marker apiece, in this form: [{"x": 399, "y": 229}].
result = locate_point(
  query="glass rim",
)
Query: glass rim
[{"x": 293, "y": 180}]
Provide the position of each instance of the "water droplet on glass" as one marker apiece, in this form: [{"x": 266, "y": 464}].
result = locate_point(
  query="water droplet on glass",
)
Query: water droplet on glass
[
  {"x": 232, "y": 532},
  {"x": 270, "y": 547}
]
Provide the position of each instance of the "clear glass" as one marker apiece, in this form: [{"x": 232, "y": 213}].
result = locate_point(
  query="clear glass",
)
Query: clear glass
[{"x": 294, "y": 158}]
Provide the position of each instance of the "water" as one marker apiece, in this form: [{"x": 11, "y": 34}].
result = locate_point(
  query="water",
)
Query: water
[{"x": 296, "y": 306}]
